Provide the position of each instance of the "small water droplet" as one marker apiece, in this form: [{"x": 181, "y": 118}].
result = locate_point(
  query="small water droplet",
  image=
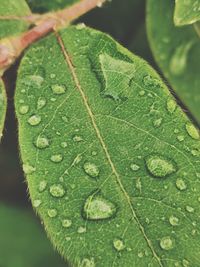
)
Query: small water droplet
[
  {"x": 167, "y": 243},
  {"x": 63, "y": 144},
  {"x": 28, "y": 169},
  {"x": 171, "y": 105},
  {"x": 180, "y": 138},
  {"x": 134, "y": 167},
  {"x": 97, "y": 207},
  {"x": 173, "y": 220},
  {"x": 157, "y": 123},
  {"x": 180, "y": 184},
  {"x": 66, "y": 223},
  {"x": 91, "y": 169},
  {"x": 56, "y": 158},
  {"x": 185, "y": 263},
  {"x": 87, "y": 263},
  {"x": 57, "y": 190},
  {"x": 52, "y": 213},
  {"x": 37, "y": 203},
  {"x": 24, "y": 109},
  {"x": 52, "y": 75},
  {"x": 80, "y": 26},
  {"x": 34, "y": 120},
  {"x": 41, "y": 102},
  {"x": 42, "y": 186},
  {"x": 189, "y": 209},
  {"x": 81, "y": 230},
  {"x": 34, "y": 80},
  {"x": 65, "y": 119},
  {"x": 118, "y": 244},
  {"x": 159, "y": 166},
  {"x": 77, "y": 138},
  {"x": 142, "y": 93},
  {"x": 192, "y": 130},
  {"x": 58, "y": 89},
  {"x": 42, "y": 142}
]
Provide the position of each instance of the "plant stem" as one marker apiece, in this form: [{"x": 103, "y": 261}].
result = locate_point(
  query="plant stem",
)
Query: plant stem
[{"x": 11, "y": 48}]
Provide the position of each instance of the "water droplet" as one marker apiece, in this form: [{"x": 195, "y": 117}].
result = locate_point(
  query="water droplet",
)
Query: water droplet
[
  {"x": 157, "y": 122},
  {"x": 80, "y": 26},
  {"x": 77, "y": 138},
  {"x": 81, "y": 230},
  {"x": 97, "y": 207},
  {"x": 192, "y": 130},
  {"x": 91, "y": 169},
  {"x": 42, "y": 186},
  {"x": 142, "y": 93},
  {"x": 87, "y": 263},
  {"x": 134, "y": 167},
  {"x": 180, "y": 184},
  {"x": 52, "y": 213},
  {"x": 52, "y": 75},
  {"x": 56, "y": 158},
  {"x": 118, "y": 244},
  {"x": 159, "y": 166},
  {"x": 28, "y": 169},
  {"x": 118, "y": 88},
  {"x": 34, "y": 80},
  {"x": 57, "y": 190},
  {"x": 171, "y": 105},
  {"x": 167, "y": 243},
  {"x": 66, "y": 223},
  {"x": 173, "y": 220},
  {"x": 41, "y": 103},
  {"x": 150, "y": 81},
  {"x": 189, "y": 209},
  {"x": 37, "y": 203},
  {"x": 41, "y": 142},
  {"x": 178, "y": 61},
  {"x": 58, "y": 89},
  {"x": 140, "y": 254},
  {"x": 63, "y": 144},
  {"x": 34, "y": 120},
  {"x": 24, "y": 109},
  {"x": 65, "y": 119},
  {"x": 180, "y": 138},
  {"x": 185, "y": 263}
]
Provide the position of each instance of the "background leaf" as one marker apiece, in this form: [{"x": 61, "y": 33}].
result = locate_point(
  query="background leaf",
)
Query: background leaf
[
  {"x": 112, "y": 163},
  {"x": 13, "y": 8},
  {"x": 23, "y": 242},
  {"x": 187, "y": 12},
  {"x": 3, "y": 105},
  {"x": 176, "y": 51}
]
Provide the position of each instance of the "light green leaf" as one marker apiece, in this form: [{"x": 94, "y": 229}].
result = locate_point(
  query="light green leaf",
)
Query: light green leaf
[
  {"x": 3, "y": 106},
  {"x": 186, "y": 12},
  {"x": 8, "y": 8},
  {"x": 116, "y": 172},
  {"x": 177, "y": 52},
  {"x": 22, "y": 241}
]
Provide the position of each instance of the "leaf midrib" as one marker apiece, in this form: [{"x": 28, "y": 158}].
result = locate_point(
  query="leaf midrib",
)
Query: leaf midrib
[{"x": 100, "y": 138}]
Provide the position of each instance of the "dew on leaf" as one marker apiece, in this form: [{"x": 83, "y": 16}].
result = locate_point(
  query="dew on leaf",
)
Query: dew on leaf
[
  {"x": 180, "y": 138},
  {"x": 160, "y": 166},
  {"x": 34, "y": 80},
  {"x": 157, "y": 122},
  {"x": 23, "y": 109},
  {"x": 167, "y": 243},
  {"x": 150, "y": 81},
  {"x": 57, "y": 190},
  {"x": 189, "y": 209},
  {"x": 171, "y": 105},
  {"x": 134, "y": 167},
  {"x": 34, "y": 120},
  {"x": 36, "y": 203},
  {"x": 42, "y": 186},
  {"x": 66, "y": 223},
  {"x": 192, "y": 131},
  {"x": 41, "y": 142},
  {"x": 118, "y": 244},
  {"x": 41, "y": 102},
  {"x": 52, "y": 213},
  {"x": 87, "y": 263},
  {"x": 77, "y": 138},
  {"x": 180, "y": 184},
  {"x": 63, "y": 144},
  {"x": 65, "y": 119},
  {"x": 56, "y": 158},
  {"x": 91, "y": 169},
  {"x": 185, "y": 263},
  {"x": 28, "y": 169},
  {"x": 173, "y": 220},
  {"x": 81, "y": 230},
  {"x": 97, "y": 207},
  {"x": 58, "y": 89}
]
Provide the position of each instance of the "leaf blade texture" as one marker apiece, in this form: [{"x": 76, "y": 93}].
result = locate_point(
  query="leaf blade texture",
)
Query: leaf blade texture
[
  {"x": 100, "y": 155},
  {"x": 176, "y": 51},
  {"x": 186, "y": 12}
]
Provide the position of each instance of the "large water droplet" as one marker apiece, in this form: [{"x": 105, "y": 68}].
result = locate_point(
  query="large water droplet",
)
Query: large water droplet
[
  {"x": 66, "y": 223},
  {"x": 167, "y": 243},
  {"x": 24, "y": 109},
  {"x": 41, "y": 103},
  {"x": 173, "y": 220},
  {"x": 28, "y": 169},
  {"x": 91, "y": 169},
  {"x": 57, "y": 190},
  {"x": 178, "y": 61},
  {"x": 192, "y": 130},
  {"x": 58, "y": 89},
  {"x": 118, "y": 244},
  {"x": 159, "y": 166},
  {"x": 42, "y": 142},
  {"x": 34, "y": 120},
  {"x": 97, "y": 207},
  {"x": 56, "y": 158}
]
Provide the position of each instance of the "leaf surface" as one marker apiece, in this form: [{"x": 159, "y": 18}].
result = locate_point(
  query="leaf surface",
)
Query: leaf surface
[
  {"x": 3, "y": 106},
  {"x": 9, "y": 27},
  {"x": 177, "y": 52},
  {"x": 22, "y": 241},
  {"x": 109, "y": 157},
  {"x": 186, "y": 12}
]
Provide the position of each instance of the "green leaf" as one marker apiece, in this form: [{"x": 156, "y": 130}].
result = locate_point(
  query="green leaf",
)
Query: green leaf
[
  {"x": 3, "y": 106},
  {"x": 11, "y": 8},
  {"x": 42, "y": 6},
  {"x": 177, "y": 52},
  {"x": 186, "y": 12},
  {"x": 108, "y": 154},
  {"x": 22, "y": 241}
]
